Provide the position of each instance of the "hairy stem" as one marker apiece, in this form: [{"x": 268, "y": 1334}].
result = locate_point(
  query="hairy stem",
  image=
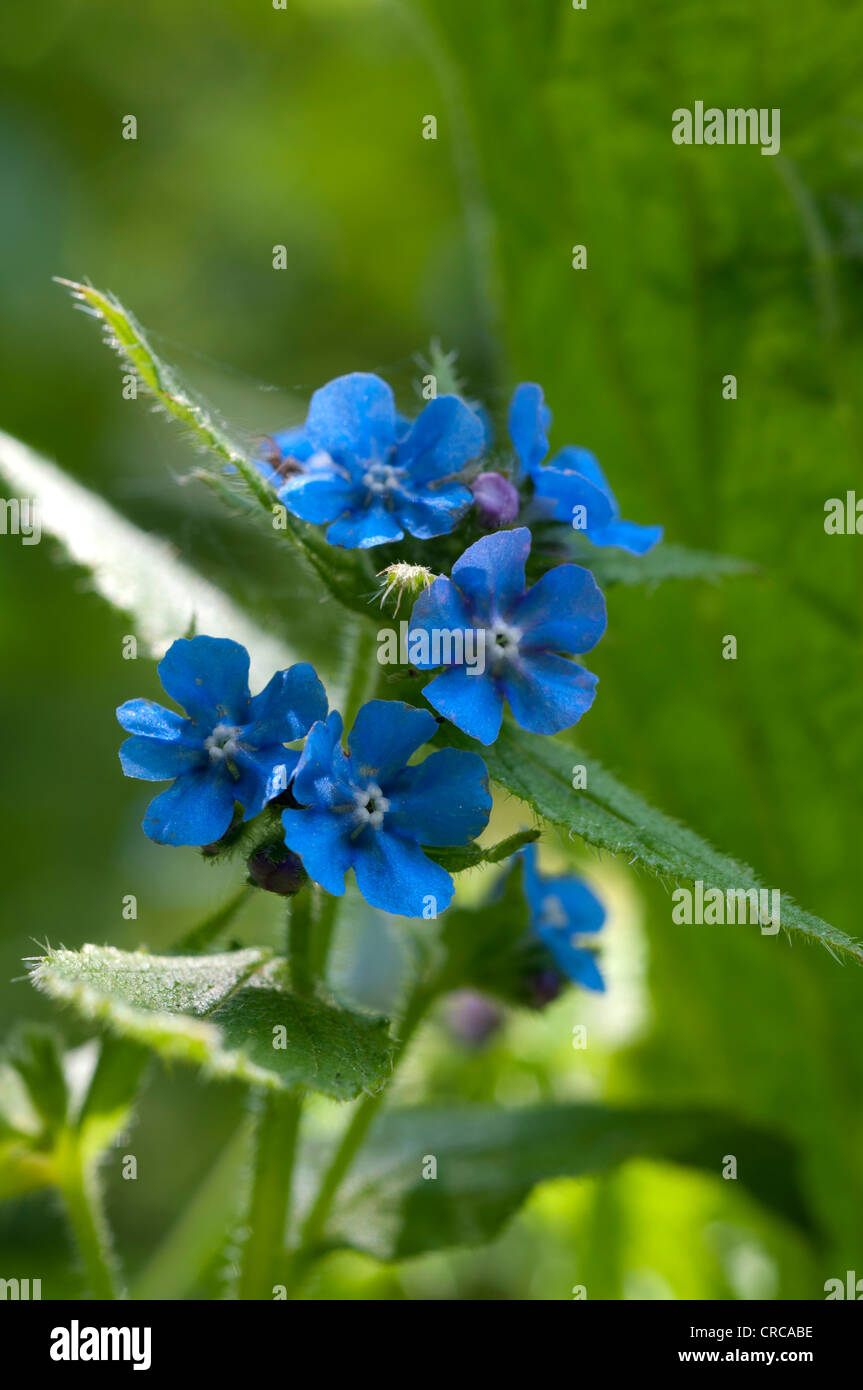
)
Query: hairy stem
[
  {"x": 275, "y": 1148},
  {"x": 354, "y": 1135},
  {"x": 326, "y": 910},
  {"x": 365, "y": 671},
  {"x": 79, "y": 1188}
]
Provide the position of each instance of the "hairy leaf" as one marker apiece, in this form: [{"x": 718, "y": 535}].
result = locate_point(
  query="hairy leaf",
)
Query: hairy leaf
[
  {"x": 663, "y": 562},
  {"x": 224, "y": 1012},
  {"x": 611, "y": 817},
  {"x": 342, "y": 573}
]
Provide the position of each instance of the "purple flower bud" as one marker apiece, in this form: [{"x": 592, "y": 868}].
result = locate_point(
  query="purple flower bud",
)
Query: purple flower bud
[
  {"x": 472, "y": 1018},
  {"x": 496, "y": 500},
  {"x": 543, "y": 988},
  {"x": 278, "y": 870}
]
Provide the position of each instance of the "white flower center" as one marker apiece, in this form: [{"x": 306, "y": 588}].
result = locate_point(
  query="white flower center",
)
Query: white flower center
[
  {"x": 501, "y": 643},
  {"x": 370, "y": 804},
  {"x": 381, "y": 479},
  {"x": 552, "y": 912},
  {"x": 223, "y": 742}
]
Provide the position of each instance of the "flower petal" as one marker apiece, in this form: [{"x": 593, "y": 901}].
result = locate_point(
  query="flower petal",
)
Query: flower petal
[
  {"x": 157, "y": 760},
  {"x": 353, "y": 417},
  {"x": 547, "y": 693},
  {"x": 445, "y": 800},
  {"x": 264, "y": 774},
  {"x": 490, "y": 573},
  {"x": 564, "y": 490},
  {"x": 574, "y": 459},
  {"x": 394, "y": 875},
  {"x": 209, "y": 677},
  {"x": 321, "y": 840},
  {"x": 627, "y": 535},
  {"x": 385, "y": 734},
  {"x": 445, "y": 436},
  {"x": 360, "y": 530},
  {"x": 472, "y": 703},
  {"x": 430, "y": 514},
  {"x": 196, "y": 810},
  {"x": 286, "y": 708},
  {"x": 320, "y": 496},
  {"x": 154, "y": 721},
  {"x": 529, "y": 422},
  {"x": 440, "y": 608},
  {"x": 575, "y": 962},
  {"x": 317, "y": 779},
  {"x": 563, "y": 612},
  {"x": 565, "y": 904},
  {"x": 294, "y": 443}
]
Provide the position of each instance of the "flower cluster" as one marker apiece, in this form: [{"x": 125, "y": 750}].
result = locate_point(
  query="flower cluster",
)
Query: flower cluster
[
  {"x": 366, "y": 805},
  {"x": 359, "y": 466},
  {"x": 365, "y": 809}
]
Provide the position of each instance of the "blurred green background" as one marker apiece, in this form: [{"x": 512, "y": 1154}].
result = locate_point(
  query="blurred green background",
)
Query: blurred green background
[{"x": 303, "y": 127}]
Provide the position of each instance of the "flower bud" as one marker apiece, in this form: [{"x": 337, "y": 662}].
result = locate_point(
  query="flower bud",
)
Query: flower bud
[
  {"x": 471, "y": 1017},
  {"x": 496, "y": 500},
  {"x": 543, "y": 988},
  {"x": 277, "y": 869},
  {"x": 405, "y": 580}
]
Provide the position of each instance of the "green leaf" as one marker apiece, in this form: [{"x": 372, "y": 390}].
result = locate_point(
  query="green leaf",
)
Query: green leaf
[
  {"x": 221, "y": 1012},
  {"x": 35, "y": 1055},
  {"x": 665, "y": 561},
  {"x": 138, "y": 573},
  {"x": 489, "y": 1159},
  {"x": 611, "y": 817},
  {"x": 110, "y": 1096},
  {"x": 52, "y": 1103},
  {"x": 24, "y": 1162},
  {"x": 345, "y": 576},
  {"x": 491, "y": 948}
]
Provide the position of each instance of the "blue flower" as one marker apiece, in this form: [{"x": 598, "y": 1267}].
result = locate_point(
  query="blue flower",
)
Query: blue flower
[
  {"x": 367, "y": 810},
  {"x": 561, "y": 909},
  {"x": 573, "y": 478},
  {"x": 229, "y": 748},
  {"x": 518, "y": 633},
  {"x": 371, "y": 473}
]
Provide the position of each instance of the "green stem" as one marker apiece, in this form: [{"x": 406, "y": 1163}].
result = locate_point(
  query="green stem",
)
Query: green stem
[
  {"x": 275, "y": 1149},
  {"x": 325, "y": 914},
  {"x": 352, "y": 1139},
  {"x": 300, "y": 940},
  {"x": 200, "y": 937},
  {"x": 79, "y": 1188},
  {"x": 365, "y": 670}
]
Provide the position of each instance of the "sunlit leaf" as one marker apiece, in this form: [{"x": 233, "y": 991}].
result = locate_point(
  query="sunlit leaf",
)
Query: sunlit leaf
[{"x": 231, "y": 1013}]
